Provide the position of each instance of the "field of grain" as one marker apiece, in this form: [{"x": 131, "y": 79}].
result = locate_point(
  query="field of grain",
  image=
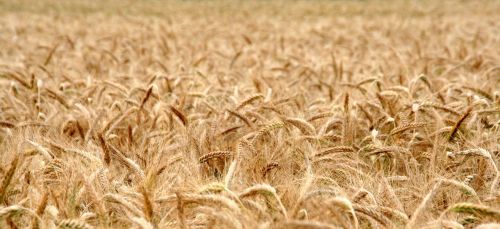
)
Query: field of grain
[{"x": 220, "y": 114}]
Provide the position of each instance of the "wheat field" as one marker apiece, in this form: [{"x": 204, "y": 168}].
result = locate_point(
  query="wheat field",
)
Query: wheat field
[{"x": 240, "y": 114}]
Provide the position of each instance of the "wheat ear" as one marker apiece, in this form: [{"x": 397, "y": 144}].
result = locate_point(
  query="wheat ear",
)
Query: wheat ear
[
  {"x": 459, "y": 123},
  {"x": 73, "y": 224},
  {"x": 345, "y": 204},
  {"x": 8, "y": 178},
  {"x": 266, "y": 190},
  {"x": 476, "y": 209}
]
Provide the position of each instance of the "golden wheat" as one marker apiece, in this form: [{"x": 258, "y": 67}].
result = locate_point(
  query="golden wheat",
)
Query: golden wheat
[{"x": 221, "y": 114}]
